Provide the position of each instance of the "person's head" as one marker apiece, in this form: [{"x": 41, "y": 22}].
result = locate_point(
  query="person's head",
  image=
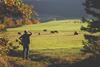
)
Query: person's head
[{"x": 25, "y": 32}]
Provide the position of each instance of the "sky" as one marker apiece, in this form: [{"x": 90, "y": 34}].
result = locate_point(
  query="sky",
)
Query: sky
[{"x": 58, "y": 8}]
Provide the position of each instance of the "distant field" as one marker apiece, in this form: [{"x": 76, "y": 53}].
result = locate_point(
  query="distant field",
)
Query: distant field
[
  {"x": 64, "y": 42},
  {"x": 61, "y": 25}
]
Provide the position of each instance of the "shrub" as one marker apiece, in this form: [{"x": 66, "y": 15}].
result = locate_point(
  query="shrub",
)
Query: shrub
[
  {"x": 6, "y": 46},
  {"x": 35, "y": 21},
  {"x": 83, "y": 28},
  {"x": 91, "y": 45},
  {"x": 18, "y": 22},
  {"x": 2, "y": 27},
  {"x": 8, "y": 22}
]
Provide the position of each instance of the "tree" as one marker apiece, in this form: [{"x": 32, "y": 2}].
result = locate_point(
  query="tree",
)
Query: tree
[
  {"x": 92, "y": 43},
  {"x": 15, "y": 9},
  {"x": 92, "y": 7}
]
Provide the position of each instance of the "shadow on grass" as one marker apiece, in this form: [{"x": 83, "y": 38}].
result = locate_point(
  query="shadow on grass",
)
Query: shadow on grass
[
  {"x": 83, "y": 63},
  {"x": 56, "y": 62},
  {"x": 15, "y": 53}
]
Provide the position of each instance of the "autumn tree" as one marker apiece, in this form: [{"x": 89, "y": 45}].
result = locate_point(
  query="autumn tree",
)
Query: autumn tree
[{"x": 15, "y": 9}]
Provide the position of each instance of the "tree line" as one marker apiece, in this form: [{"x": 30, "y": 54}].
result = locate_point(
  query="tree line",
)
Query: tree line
[{"x": 15, "y": 13}]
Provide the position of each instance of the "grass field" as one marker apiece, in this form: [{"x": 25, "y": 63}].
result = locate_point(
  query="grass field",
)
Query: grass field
[
  {"x": 58, "y": 44},
  {"x": 63, "y": 45},
  {"x": 47, "y": 40}
]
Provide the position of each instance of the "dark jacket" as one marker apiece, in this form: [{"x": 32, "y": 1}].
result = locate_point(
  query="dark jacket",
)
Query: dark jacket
[{"x": 25, "y": 39}]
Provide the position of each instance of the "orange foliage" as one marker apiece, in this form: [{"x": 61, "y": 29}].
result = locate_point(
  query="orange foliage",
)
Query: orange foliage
[
  {"x": 9, "y": 22},
  {"x": 32, "y": 21},
  {"x": 2, "y": 26},
  {"x": 35, "y": 21},
  {"x": 9, "y": 2},
  {"x": 18, "y": 22},
  {"x": 16, "y": 7}
]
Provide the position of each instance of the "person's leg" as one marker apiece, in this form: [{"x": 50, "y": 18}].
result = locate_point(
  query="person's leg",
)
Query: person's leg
[
  {"x": 27, "y": 52},
  {"x": 24, "y": 52}
]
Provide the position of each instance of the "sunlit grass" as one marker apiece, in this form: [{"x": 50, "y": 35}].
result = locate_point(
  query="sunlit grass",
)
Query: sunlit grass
[
  {"x": 64, "y": 25},
  {"x": 49, "y": 43}
]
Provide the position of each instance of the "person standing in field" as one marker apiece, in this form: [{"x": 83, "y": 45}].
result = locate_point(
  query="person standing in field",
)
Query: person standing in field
[{"x": 25, "y": 39}]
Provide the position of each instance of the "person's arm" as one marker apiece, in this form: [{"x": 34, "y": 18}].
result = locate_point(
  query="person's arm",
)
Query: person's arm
[
  {"x": 30, "y": 33},
  {"x": 20, "y": 37}
]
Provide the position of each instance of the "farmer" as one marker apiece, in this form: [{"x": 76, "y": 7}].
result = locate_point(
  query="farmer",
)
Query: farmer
[{"x": 25, "y": 39}]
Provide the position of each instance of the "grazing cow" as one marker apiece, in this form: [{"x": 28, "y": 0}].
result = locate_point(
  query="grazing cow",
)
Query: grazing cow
[
  {"x": 75, "y": 33},
  {"x": 52, "y": 32},
  {"x": 56, "y": 31},
  {"x": 45, "y": 30},
  {"x": 39, "y": 34}
]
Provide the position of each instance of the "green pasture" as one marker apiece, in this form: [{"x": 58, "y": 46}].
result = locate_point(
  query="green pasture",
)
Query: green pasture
[
  {"x": 62, "y": 42},
  {"x": 61, "y": 25}
]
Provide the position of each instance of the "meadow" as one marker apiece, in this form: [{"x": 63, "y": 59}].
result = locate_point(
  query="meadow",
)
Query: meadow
[{"x": 64, "y": 44}]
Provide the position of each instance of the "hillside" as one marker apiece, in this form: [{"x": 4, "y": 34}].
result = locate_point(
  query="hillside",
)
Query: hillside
[{"x": 49, "y": 48}]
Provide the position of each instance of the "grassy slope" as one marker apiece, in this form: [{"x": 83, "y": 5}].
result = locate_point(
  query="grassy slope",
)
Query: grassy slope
[
  {"x": 64, "y": 39},
  {"x": 52, "y": 25},
  {"x": 59, "y": 45}
]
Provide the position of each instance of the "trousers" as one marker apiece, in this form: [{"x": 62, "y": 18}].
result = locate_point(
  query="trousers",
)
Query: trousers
[{"x": 26, "y": 51}]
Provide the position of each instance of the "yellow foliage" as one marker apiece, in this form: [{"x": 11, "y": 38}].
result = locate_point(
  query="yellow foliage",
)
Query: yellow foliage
[
  {"x": 35, "y": 21},
  {"x": 2, "y": 26},
  {"x": 17, "y": 6},
  {"x": 9, "y": 22},
  {"x": 9, "y": 2},
  {"x": 18, "y": 22}
]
